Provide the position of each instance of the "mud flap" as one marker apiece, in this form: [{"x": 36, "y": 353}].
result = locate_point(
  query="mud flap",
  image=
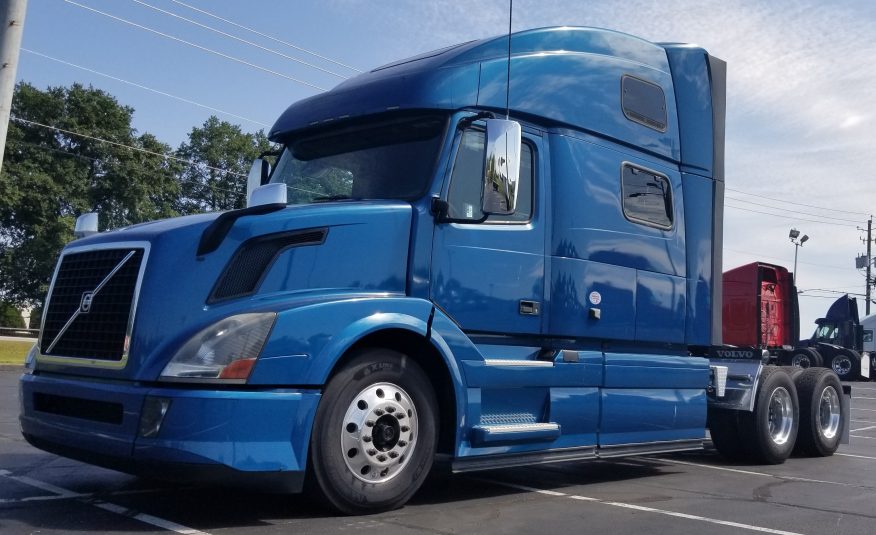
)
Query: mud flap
[{"x": 847, "y": 393}]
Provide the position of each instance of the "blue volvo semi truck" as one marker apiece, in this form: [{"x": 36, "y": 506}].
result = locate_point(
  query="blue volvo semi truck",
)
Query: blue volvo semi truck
[{"x": 472, "y": 258}]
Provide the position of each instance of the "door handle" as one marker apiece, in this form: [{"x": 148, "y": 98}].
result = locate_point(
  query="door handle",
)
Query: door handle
[{"x": 529, "y": 308}]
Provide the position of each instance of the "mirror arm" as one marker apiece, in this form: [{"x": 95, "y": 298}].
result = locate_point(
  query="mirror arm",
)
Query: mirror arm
[
  {"x": 465, "y": 122},
  {"x": 439, "y": 208}
]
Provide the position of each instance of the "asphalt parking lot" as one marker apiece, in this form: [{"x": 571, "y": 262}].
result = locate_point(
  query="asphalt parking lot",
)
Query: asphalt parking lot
[{"x": 682, "y": 494}]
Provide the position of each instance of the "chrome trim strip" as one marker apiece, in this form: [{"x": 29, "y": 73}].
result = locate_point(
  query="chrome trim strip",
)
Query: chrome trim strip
[
  {"x": 518, "y": 428},
  {"x": 519, "y": 362},
  {"x": 94, "y": 292},
  {"x": 87, "y": 362},
  {"x": 649, "y": 448}
]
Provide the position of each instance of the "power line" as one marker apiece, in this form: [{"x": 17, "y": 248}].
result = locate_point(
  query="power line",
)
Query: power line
[
  {"x": 758, "y": 255},
  {"x": 183, "y": 180},
  {"x": 199, "y": 47},
  {"x": 797, "y": 203},
  {"x": 788, "y": 210},
  {"x": 230, "y": 36},
  {"x": 788, "y": 217},
  {"x": 266, "y": 36},
  {"x": 163, "y": 93},
  {"x": 116, "y": 143}
]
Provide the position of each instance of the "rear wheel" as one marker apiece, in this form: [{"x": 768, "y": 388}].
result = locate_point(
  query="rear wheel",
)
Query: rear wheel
[
  {"x": 770, "y": 431},
  {"x": 820, "y": 393},
  {"x": 846, "y": 364},
  {"x": 375, "y": 433},
  {"x": 805, "y": 357}
]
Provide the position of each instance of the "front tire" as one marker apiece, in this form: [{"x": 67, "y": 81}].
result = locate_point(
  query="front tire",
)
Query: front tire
[{"x": 375, "y": 433}]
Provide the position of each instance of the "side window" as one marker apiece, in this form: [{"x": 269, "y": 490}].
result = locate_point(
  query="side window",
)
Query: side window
[
  {"x": 466, "y": 184},
  {"x": 644, "y": 103},
  {"x": 647, "y": 197},
  {"x": 868, "y": 335}
]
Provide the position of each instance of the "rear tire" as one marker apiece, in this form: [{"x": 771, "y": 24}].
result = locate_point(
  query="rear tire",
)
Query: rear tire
[
  {"x": 804, "y": 357},
  {"x": 375, "y": 433},
  {"x": 846, "y": 364},
  {"x": 821, "y": 412},
  {"x": 770, "y": 432}
]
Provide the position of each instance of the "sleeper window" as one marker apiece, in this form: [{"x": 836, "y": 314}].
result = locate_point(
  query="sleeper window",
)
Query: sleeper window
[{"x": 647, "y": 197}]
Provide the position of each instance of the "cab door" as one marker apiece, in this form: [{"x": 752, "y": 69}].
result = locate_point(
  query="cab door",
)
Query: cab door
[{"x": 488, "y": 271}]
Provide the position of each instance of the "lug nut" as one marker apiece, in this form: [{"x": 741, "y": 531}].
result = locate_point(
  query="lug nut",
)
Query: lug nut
[
  {"x": 369, "y": 423},
  {"x": 402, "y": 443},
  {"x": 381, "y": 458},
  {"x": 378, "y": 412},
  {"x": 366, "y": 438},
  {"x": 372, "y": 451},
  {"x": 390, "y": 409},
  {"x": 393, "y": 454},
  {"x": 405, "y": 429}
]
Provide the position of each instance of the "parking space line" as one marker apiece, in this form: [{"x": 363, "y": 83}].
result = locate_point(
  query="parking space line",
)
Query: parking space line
[
  {"x": 863, "y": 429},
  {"x": 754, "y": 473},
  {"x": 868, "y": 410},
  {"x": 862, "y": 397},
  {"x": 106, "y": 506},
  {"x": 642, "y": 508},
  {"x": 856, "y": 456},
  {"x": 859, "y": 436},
  {"x": 146, "y": 519}
]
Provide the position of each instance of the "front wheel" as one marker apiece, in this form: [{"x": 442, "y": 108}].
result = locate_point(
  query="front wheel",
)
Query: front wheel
[{"x": 375, "y": 433}]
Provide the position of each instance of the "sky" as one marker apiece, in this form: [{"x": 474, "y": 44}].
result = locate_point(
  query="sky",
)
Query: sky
[{"x": 801, "y": 107}]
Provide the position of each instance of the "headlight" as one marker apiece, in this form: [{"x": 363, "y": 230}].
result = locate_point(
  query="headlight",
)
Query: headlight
[{"x": 225, "y": 350}]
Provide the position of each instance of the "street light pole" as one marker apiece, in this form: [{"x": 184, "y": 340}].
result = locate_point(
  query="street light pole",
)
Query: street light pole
[
  {"x": 798, "y": 242},
  {"x": 11, "y": 25}
]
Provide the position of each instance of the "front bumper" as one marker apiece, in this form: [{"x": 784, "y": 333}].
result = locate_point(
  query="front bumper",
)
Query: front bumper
[{"x": 234, "y": 436}]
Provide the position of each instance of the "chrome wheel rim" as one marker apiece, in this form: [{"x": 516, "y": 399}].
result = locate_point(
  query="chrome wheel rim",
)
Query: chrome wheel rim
[
  {"x": 801, "y": 361},
  {"x": 829, "y": 413},
  {"x": 842, "y": 365},
  {"x": 781, "y": 415},
  {"x": 379, "y": 432}
]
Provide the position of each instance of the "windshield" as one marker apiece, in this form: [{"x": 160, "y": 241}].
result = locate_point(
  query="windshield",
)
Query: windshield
[
  {"x": 827, "y": 331},
  {"x": 386, "y": 160}
]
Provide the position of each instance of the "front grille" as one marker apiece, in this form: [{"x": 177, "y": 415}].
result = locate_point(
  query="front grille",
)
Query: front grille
[
  {"x": 87, "y": 409},
  {"x": 99, "y": 329}
]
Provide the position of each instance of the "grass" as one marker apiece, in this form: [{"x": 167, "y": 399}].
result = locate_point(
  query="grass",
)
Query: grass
[{"x": 12, "y": 352}]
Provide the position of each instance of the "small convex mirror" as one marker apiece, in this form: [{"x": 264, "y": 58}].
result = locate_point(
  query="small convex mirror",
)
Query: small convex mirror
[
  {"x": 86, "y": 225},
  {"x": 501, "y": 167},
  {"x": 258, "y": 175}
]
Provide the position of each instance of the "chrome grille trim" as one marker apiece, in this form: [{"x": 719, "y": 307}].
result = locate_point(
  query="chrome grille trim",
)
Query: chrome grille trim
[{"x": 95, "y": 362}]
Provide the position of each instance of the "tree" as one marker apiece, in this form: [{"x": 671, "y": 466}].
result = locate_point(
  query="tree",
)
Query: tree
[
  {"x": 221, "y": 155},
  {"x": 50, "y": 176},
  {"x": 10, "y": 316}
]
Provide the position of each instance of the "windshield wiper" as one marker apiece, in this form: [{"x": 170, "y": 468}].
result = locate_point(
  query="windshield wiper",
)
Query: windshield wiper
[{"x": 327, "y": 198}]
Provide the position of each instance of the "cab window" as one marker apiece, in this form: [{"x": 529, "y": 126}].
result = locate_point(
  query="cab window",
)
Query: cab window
[{"x": 466, "y": 182}]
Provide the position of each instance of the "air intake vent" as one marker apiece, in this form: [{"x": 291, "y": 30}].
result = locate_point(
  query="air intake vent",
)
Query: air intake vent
[
  {"x": 90, "y": 305},
  {"x": 252, "y": 260}
]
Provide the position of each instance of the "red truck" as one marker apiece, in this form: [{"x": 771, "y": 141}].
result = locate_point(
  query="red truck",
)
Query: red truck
[{"x": 760, "y": 310}]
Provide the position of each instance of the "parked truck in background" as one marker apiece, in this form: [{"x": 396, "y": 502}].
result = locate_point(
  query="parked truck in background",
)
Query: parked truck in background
[
  {"x": 417, "y": 279},
  {"x": 761, "y": 311},
  {"x": 868, "y": 325}
]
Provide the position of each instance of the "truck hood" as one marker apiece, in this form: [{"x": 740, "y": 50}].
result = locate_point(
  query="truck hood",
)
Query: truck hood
[{"x": 265, "y": 263}]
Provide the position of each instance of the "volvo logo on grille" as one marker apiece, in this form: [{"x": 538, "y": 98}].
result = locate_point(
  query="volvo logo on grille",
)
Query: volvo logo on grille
[{"x": 85, "y": 303}]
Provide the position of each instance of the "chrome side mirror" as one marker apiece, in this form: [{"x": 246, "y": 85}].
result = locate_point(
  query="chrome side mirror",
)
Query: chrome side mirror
[
  {"x": 86, "y": 225},
  {"x": 268, "y": 194},
  {"x": 258, "y": 175},
  {"x": 501, "y": 167}
]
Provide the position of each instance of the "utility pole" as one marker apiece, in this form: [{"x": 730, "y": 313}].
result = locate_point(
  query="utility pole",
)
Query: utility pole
[
  {"x": 866, "y": 262},
  {"x": 12, "y": 13}
]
